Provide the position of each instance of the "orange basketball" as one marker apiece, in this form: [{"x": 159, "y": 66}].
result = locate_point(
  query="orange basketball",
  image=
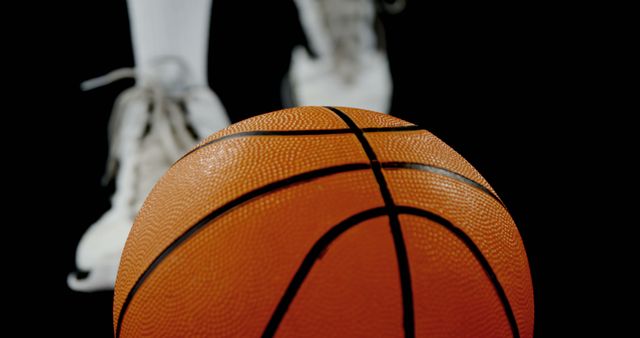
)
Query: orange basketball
[{"x": 321, "y": 221}]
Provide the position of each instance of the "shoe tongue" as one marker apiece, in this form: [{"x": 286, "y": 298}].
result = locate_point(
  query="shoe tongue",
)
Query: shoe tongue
[{"x": 168, "y": 73}]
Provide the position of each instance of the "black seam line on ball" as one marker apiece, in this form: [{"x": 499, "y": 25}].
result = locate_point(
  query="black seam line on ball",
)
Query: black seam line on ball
[
  {"x": 336, "y": 231},
  {"x": 309, "y": 260},
  {"x": 299, "y": 178},
  {"x": 268, "y": 133},
  {"x": 303, "y": 132},
  {"x": 358, "y": 132},
  {"x": 390, "y": 129},
  {"x": 460, "y": 234},
  {"x": 443, "y": 172},
  {"x": 394, "y": 224}
]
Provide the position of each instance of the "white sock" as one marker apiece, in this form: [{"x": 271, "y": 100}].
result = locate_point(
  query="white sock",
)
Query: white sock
[{"x": 166, "y": 29}]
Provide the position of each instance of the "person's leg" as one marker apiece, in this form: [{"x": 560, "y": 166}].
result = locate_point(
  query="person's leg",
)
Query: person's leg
[
  {"x": 162, "y": 29},
  {"x": 170, "y": 46},
  {"x": 349, "y": 66},
  {"x": 166, "y": 113}
]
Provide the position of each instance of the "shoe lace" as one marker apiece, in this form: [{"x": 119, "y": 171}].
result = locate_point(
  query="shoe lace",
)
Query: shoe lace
[
  {"x": 350, "y": 26},
  {"x": 166, "y": 117}
]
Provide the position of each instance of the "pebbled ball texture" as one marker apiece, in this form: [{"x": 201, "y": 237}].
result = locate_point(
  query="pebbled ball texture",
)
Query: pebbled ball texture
[{"x": 271, "y": 227}]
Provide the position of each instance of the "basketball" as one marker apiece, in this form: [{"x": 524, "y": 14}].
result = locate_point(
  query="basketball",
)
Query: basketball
[{"x": 323, "y": 221}]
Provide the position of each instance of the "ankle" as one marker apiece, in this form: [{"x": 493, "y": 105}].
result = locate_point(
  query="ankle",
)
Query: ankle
[{"x": 170, "y": 72}]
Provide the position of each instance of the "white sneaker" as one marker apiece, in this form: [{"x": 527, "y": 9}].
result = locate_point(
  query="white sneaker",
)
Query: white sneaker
[
  {"x": 349, "y": 67},
  {"x": 150, "y": 128}
]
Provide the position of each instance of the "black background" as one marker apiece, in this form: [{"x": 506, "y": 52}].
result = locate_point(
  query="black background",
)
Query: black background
[{"x": 502, "y": 85}]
